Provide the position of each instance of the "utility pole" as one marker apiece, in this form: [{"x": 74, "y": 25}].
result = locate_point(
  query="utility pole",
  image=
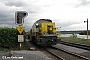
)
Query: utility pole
[{"x": 87, "y": 27}]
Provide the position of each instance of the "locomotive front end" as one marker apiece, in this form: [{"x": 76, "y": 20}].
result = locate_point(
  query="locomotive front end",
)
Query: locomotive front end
[
  {"x": 47, "y": 34},
  {"x": 44, "y": 32}
]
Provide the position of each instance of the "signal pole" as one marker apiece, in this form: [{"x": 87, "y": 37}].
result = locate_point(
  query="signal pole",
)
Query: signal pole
[
  {"x": 87, "y": 27},
  {"x": 19, "y": 20}
]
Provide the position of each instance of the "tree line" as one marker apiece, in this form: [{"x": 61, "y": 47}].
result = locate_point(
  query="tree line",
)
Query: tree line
[{"x": 84, "y": 33}]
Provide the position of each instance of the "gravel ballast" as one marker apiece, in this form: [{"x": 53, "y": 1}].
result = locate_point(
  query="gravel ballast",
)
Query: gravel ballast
[
  {"x": 72, "y": 49},
  {"x": 24, "y": 55}
]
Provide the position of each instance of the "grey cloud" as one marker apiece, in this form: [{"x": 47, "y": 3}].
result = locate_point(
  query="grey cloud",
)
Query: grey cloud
[
  {"x": 6, "y": 19},
  {"x": 3, "y": 15},
  {"x": 65, "y": 24},
  {"x": 15, "y": 3},
  {"x": 83, "y": 3}
]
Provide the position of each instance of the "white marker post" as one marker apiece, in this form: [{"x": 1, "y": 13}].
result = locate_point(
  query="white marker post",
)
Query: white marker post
[
  {"x": 20, "y": 46},
  {"x": 21, "y": 40}
]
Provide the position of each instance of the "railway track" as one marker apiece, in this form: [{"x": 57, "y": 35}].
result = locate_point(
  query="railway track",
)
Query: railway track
[
  {"x": 78, "y": 45},
  {"x": 55, "y": 55},
  {"x": 43, "y": 49},
  {"x": 55, "y": 52},
  {"x": 62, "y": 54}
]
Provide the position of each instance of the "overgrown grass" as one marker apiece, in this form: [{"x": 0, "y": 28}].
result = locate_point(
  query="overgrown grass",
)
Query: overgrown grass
[{"x": 76, "y": 40}]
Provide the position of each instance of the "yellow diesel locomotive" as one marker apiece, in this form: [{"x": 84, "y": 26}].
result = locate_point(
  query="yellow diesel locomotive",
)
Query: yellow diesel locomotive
[{"x": 43, "y": 32}]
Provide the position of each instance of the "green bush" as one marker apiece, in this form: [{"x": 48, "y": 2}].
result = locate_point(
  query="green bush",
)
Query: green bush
[{"x": 8, "y": 37}]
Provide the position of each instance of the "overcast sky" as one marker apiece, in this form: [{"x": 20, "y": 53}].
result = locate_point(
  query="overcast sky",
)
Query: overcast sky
[{"x": 67, "y": 14}]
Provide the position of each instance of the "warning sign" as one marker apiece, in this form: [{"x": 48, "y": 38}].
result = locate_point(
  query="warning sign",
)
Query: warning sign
[
  {"x": 20, "y": 29},
  {"x": 20, "y": 38}
]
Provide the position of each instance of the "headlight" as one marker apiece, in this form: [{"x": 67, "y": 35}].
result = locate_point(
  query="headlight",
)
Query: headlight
[{"x": 36, "y": 24}]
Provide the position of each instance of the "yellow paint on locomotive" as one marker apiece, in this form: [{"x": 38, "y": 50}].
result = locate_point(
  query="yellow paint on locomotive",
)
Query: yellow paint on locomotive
[{"x": 44, "y": 27}]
